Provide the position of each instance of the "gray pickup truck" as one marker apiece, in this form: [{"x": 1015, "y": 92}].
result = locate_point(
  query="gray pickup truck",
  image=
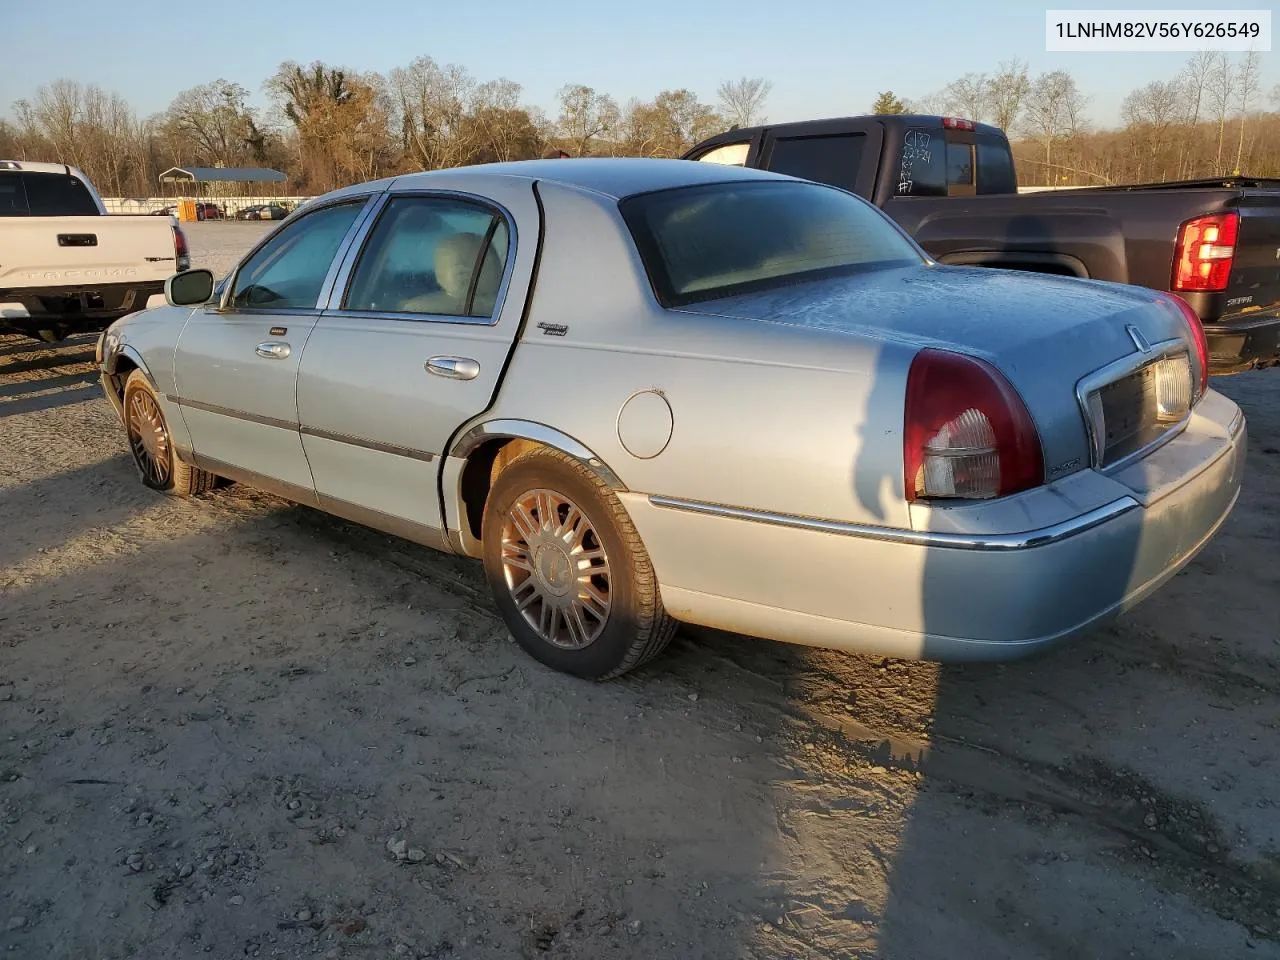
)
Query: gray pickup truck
[{"x": 951, "y": 184}]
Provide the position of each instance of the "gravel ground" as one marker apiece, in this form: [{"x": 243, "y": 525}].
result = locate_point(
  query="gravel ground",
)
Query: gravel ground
[{"x": 235, "y": 727}]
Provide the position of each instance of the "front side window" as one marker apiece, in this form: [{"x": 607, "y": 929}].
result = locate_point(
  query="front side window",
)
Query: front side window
[
  {"x": 431, "y": 255},
  {"x": 717, "y": 240},
  {"x": 289, "y": 270},
  {"x": 731, "y": 154}
]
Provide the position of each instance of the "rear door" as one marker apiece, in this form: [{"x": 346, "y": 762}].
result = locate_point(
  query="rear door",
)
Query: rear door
[
  {"x": 414, "y": 342},
  {"x": 835, "y": 153},
  {"x": 236, "y": 362}
]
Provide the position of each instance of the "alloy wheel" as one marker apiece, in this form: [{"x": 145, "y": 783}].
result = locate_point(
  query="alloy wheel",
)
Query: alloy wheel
[{"x": 556, "y": 569}]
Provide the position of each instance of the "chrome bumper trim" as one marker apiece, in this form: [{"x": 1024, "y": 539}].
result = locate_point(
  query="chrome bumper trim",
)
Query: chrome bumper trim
[{"x": 925, "y": 538}]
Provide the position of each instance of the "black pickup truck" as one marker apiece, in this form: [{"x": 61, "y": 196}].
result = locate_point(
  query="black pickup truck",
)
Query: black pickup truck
[{"x": 951, "y": 184}]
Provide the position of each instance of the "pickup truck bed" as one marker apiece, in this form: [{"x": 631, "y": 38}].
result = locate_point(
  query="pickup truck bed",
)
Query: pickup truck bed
[
  {"x": 65, "y": 265},
  {"x": 951, "y": 185}
]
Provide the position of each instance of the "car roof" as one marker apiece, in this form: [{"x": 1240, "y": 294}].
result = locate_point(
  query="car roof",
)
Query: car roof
[
  {"x": 615, "y": 177},
  {"x": 33, "y": 166}
]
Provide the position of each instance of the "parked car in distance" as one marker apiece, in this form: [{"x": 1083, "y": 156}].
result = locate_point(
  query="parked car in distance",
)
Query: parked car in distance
[
  {"x": 951, "y": 184},
  {"x": 65, "y": 264},
  {"x": 650, "y": 391},
  {"x": 262, "y": 211}
]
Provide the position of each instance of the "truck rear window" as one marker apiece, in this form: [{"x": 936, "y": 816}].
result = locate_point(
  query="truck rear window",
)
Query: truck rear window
[
  {"x": 28, "y": 194},
  {"x": 717, "y": 240},
  {"x": 931, "y": 164}
]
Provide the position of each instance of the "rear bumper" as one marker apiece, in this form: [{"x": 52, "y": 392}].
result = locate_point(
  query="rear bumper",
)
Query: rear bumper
[
  {"x": 73, "y": 309},
  {"x": 1243, "y": 343},
  {"x": 977, "y": 595}
]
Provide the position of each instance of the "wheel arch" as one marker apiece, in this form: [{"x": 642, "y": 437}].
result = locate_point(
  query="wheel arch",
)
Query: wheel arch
[
  {"x": 118, "y": 364},
  {"x": 479, "y": 454}
]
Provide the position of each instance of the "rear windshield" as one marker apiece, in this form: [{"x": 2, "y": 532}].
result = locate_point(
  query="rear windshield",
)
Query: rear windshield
[
  {"x": 718, "y": 240},
  {"x": 44, "y": 195}
]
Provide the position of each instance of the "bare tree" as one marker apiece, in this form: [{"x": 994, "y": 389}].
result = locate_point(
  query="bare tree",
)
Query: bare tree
[
  {"x": 1221, "y": 85},
  {"x": 215, "y": 121},
  {"x": 1149, "y": 112},
  {"x": 930, "y": 104},
  {"x": 969, "y": 96},
  {"x": 1193, "y": 79},
  {"x": 742, "y": 100},
  {"x": 586, "y": 116},
  {"x": 1006, "y": 91},
  {"x": 1246, "y": 89},
  {"x": 1054, "y": 111}
]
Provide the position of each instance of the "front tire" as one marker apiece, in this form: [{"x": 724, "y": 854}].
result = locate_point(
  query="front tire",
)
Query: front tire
[
  {"x": 568, "y": 570},
  {"x": 152, "y": 447}
]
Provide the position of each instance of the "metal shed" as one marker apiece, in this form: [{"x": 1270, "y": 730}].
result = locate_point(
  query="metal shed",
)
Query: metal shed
[{"x": 199, "y": 175}]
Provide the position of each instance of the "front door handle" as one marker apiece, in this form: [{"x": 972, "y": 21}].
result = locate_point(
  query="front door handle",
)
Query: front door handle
[
  {"x": 455, "y": 368},
  {"x": 273, "y": 350}
]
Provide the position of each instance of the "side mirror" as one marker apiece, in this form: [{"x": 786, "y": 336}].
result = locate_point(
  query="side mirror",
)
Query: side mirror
[{"x": 189, "y": 288}]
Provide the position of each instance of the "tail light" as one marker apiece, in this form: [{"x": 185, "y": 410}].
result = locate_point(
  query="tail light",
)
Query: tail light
[
  {"x": 967, "y": 434},
  {"x": 955, "y": 123},
  {"x": 1205, "y": 250},
  {"x": 180, "y": 252},
  {"x": 1199, "y": 341}
]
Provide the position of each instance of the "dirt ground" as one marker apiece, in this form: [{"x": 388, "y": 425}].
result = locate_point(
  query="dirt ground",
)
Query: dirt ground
[{"x": 219, "y": 717}]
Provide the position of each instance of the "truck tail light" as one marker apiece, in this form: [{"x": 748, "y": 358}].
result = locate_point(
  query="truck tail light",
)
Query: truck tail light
[
  {"x": 955, "y": 123},
  {"x": 1205, "y": 251},
  {"x": 1199, "y": 341},
  {"x": 180, "y": 252},
  {"x": 967, "y": 432}
]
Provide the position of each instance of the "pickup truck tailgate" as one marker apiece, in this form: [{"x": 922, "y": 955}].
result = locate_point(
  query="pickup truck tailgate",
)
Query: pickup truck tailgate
[
  {"x": 1255, "y": 273},
  {"x": 78, "y": 251}
]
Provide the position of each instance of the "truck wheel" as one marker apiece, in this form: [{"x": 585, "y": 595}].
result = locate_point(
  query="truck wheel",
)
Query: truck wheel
[
  {"x": 568, "y": 571},
  {"x": 152, "y": 447},
  {"x": 52, "y": 334}
]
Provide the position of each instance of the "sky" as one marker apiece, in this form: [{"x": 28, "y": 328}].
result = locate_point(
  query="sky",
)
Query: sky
[{"x": 824, "y": 57}]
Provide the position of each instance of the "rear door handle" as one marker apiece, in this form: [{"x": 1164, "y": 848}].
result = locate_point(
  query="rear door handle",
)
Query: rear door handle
[
  {"x": 455, "y": 368},
  {"x": 274, "y": 350}
]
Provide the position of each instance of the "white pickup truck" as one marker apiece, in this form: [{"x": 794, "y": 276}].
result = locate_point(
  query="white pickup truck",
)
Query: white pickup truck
[{"x": 66, "y": 265}]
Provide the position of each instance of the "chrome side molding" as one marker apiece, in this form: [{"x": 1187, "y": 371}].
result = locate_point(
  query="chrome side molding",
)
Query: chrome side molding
[{"x": 924, "y": 538}]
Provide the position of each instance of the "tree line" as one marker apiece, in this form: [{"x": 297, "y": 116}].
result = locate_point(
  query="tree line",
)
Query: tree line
[
  {"x": 1209, "y": 120},
  {"x": 328, "y": 126}
]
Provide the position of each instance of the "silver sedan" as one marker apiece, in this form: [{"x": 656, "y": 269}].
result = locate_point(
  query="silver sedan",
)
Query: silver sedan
[{"x": 648, "y": 391}]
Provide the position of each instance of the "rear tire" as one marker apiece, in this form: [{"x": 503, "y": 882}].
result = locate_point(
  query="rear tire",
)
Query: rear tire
[
  {"x": 568, "y": 570},
  {"x": 152, "y": 447}
]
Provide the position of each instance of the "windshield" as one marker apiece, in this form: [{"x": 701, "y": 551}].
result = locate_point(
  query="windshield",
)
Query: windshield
[{"x": 705, "y": 242}]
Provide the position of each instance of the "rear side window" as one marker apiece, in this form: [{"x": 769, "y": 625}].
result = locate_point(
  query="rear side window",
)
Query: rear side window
[
  {"x": 833, "y": 159},
  {"x": 58, "y": 195},
  {"x": 718, "y": 240},
  {"x": 437, "y": 256}
]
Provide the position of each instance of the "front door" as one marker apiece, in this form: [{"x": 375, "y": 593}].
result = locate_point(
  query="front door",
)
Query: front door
[
  {"x": 413, "y": 347},
  {"x": 236, "y": 363}
]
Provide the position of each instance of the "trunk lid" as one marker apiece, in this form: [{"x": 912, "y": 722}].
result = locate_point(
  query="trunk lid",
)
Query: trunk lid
[{"x": 1045, "y": 333}]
